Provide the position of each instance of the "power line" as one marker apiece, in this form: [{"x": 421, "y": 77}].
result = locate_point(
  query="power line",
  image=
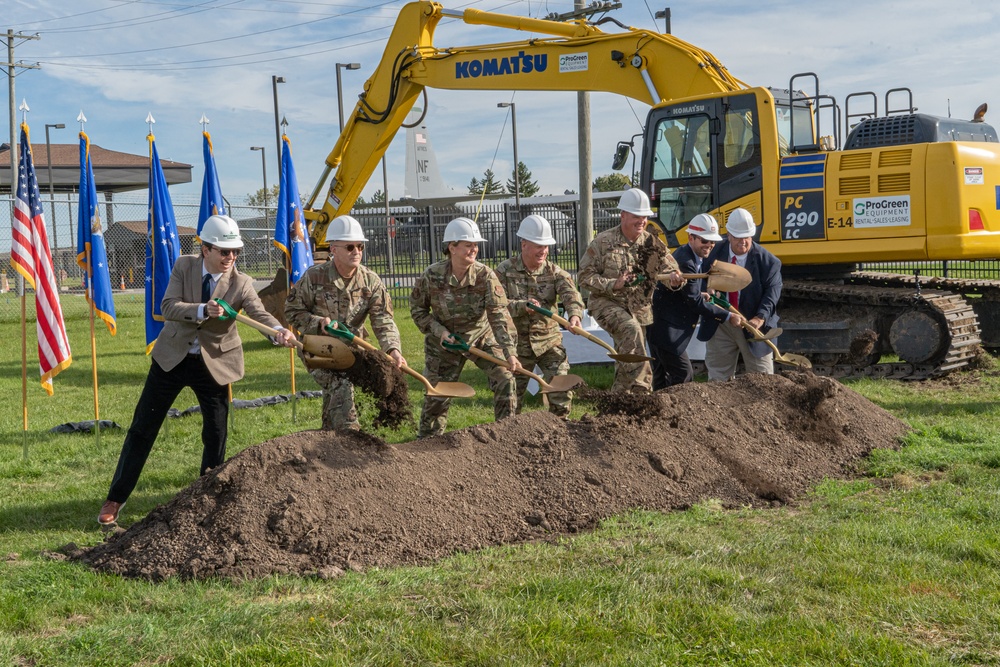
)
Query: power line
[{"x": 171, "y": 67}]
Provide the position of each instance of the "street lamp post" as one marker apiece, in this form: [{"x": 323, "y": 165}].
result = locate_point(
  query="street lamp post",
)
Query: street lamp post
[
  {"x": 275, "y": 80},
  {"x": 513, "y": 130},
  {"x": 340, "y": 93},
  {"x": 52, "y": 194},
  {"x": 263, "y": 170}
]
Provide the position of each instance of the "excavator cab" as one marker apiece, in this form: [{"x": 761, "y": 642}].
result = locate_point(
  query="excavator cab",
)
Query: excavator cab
[{"x": 701, "y": 155}]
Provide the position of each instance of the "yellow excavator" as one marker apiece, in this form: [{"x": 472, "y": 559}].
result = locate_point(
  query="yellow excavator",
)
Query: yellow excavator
[{"x": 902, "y": 187}]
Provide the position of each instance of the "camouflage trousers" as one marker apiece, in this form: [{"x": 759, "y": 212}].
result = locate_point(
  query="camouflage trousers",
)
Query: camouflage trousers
[
  {"x": 552, "y": 362},
  {"x": 338, "y": 400},
  {"x": 445, "y": 366},
  {"x": 630, "y": 338}
]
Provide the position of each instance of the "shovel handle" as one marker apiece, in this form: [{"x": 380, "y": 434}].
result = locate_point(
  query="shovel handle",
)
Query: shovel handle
[
  {"x": 792, "y": 359},
  {"x": 340, "y": 332},
  {"x": 475, "y": 351},
  {"x": 231, "y": 313},
  {"x": 579, "y": 331}
]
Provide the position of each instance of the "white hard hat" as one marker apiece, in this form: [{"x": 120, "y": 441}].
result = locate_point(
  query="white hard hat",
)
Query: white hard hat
[
  {"x": 462, "y": 229},
  {"x": 740, "y": 224},
  {"x": 221, "y": 231},
  {"x": 345, "y": 228},
  {"x": 636, "y": 202},
  {"x": 536, "y": 229},
  {"x": 705, "y": 226}
]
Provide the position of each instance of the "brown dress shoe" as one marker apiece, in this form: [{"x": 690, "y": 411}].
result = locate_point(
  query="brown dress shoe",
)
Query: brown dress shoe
[{"x": 109, "y": 512}]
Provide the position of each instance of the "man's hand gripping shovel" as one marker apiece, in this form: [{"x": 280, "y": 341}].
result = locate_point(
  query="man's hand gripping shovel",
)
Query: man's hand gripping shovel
[
  {"x": 788, "y": 359},
  {"x": 441, "y": 389},
  {"x": 558, "y": 384},
  {"x": 317, "y": 351},
  {"x": 627, "y": 357}
]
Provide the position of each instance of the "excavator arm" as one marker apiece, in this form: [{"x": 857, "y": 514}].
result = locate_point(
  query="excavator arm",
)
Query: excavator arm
[{"x": 650, "y": 67}]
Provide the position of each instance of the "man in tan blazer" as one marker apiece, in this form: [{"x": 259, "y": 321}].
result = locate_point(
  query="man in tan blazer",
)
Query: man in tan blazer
[{"x": 195, "y": 349}]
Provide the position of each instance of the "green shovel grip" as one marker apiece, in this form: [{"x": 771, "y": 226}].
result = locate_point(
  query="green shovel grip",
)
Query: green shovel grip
[
  {"x": 229, "y": 313},
  {"x": 719, "y": 301},
  {"x": 334, "y": 329},
  {"x": 458, "y": 346},
  {"x": 538, "y": 309},
  {"x": 641, "y": 278}
]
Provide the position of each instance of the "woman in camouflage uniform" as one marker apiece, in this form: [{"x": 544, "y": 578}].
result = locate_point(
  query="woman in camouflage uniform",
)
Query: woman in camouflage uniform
[{"x": 459, "y": 295}]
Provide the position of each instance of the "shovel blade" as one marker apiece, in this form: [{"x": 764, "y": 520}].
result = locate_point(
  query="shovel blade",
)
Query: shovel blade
[
  {"x": 791, "y": 359},
  {"x": 563, "y": 383},
  {"x": 337, "y": 352},
  {"x": 629, "y": 358},
  {"x": 725, "y": 277},
  {"x": 770, "y": 335},
  {"x": 452, "y": 390}
]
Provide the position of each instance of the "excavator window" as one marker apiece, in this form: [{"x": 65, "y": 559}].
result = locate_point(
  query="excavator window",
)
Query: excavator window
[
  {"x": 682, "y": 157},
  {"x": 740, "y": 142}
]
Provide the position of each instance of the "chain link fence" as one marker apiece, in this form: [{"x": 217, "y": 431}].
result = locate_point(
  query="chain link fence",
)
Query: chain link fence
[{"x": 401, "y": 244}]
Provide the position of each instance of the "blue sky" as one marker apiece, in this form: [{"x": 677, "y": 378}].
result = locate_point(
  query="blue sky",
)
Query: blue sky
[{"x": 119, "y": 60}]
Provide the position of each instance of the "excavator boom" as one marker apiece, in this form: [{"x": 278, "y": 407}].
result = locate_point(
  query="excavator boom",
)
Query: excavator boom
[{"x": 572, "y": 56}]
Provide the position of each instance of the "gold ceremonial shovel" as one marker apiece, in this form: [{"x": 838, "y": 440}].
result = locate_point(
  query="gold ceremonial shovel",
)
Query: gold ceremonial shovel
[{"x": 627, "y": 357}]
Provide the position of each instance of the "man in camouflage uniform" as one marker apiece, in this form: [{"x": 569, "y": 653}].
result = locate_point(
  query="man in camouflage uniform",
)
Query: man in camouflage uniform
[
  {"x": 532, "y": 278},
  {"x": 459, "y": 295},
  {"x": 619, "y": 270},
  {"x": 342, "y": 290}
]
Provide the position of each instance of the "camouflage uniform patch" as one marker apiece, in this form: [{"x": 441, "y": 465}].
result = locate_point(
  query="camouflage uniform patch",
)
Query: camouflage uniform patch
[{"x": 322, "y": 292}]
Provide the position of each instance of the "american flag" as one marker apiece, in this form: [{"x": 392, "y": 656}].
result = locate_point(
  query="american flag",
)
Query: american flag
[{"x": 31, "y": 258}]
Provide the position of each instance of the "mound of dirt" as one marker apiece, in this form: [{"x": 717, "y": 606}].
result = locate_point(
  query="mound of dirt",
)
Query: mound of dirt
[{"x": 321, "y": 502}]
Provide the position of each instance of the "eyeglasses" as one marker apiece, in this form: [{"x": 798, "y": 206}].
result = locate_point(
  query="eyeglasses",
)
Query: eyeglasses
[
  {"x": 227, "y": 252},
  {"x": 351, "y": 246}
]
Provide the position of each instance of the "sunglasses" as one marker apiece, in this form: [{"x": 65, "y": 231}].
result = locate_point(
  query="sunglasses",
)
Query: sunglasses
[
  {"x": 227, "y": 252},
  {"x": 704, "y": 241},
  {"x": 351, "y": 246}
]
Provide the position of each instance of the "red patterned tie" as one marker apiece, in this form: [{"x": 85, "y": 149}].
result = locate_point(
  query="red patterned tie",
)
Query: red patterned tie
[{"x": 734, "y": 297}]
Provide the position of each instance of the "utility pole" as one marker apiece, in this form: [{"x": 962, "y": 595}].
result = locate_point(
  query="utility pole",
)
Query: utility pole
[
  {"x": 585, "y": 219},
  {"x": 665, "y": 15},
  {"x": 11, "y": 66}
]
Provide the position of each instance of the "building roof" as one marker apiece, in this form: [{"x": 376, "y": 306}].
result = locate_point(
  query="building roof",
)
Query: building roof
[{"x": 113, "y": 171}]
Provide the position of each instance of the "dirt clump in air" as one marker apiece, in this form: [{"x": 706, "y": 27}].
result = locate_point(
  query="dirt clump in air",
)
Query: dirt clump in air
[
  {"x": 375, "y": 373},
  {"x": 322, "y": 502}
]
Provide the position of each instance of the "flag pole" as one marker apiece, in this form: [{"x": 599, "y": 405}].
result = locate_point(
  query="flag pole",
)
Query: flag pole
[
  {"x": 93, "y": 348},
  {"x": 291, "y": 353},
  {"x": 24, "y": 365}
]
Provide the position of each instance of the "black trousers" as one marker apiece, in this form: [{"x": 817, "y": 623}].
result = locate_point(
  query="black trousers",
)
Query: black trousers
[
  {"x": 159, "y": 393},
  {"x": 669, "y": 368}
]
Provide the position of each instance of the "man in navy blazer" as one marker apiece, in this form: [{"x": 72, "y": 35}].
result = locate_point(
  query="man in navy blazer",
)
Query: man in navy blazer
[
  {"x": 757, "y": 302},
  {"x": 676, "y": 310}
]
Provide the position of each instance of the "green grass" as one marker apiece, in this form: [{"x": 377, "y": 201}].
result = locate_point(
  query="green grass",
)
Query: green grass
[{"x": 901, "y": 567}]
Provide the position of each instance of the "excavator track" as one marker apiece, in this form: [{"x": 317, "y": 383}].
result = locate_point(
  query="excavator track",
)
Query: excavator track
[
  {"x": 939, "y": 325},
  {"x": 985, "y": 297}
]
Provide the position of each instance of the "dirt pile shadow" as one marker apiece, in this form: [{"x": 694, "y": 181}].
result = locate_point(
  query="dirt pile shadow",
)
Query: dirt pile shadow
[{"x": 322, "y": 502}]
